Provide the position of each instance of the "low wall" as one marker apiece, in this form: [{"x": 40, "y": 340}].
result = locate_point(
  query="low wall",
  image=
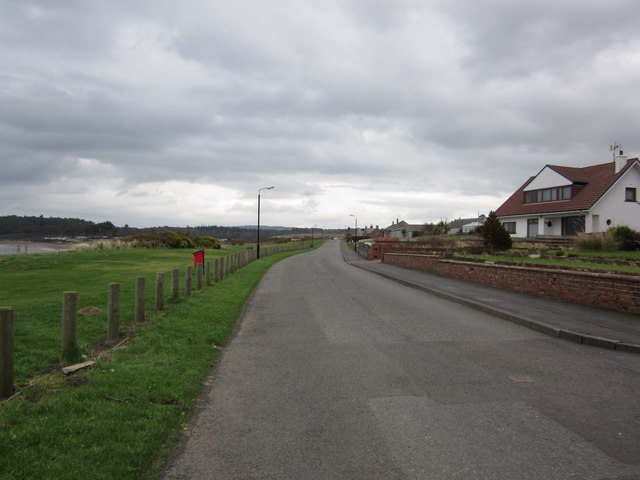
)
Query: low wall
[{"x": 605, "y": 290}]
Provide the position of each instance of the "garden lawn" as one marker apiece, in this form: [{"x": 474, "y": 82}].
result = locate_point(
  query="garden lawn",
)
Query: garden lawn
[
  {"x": 565, "y": 261},
  {"x": 121, "y": 418}
]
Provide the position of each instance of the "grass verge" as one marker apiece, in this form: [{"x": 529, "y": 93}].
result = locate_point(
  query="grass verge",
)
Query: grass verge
[{"x": 120, "y": 419}]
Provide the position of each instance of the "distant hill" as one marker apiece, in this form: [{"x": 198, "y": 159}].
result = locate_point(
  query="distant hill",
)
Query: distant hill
[{"x": 22, "y": 227}]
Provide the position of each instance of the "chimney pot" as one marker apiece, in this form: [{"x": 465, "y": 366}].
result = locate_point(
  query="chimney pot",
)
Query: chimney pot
[{"x": 619, "y": 161}]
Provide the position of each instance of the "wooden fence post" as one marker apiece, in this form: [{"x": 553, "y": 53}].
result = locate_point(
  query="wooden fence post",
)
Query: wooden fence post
[
  {"x": 207, "y": 273},
  {"x": 198, "y": 276},
  {"x": 140, "y": 281},
  {"x": 113, "y": 315},
  {"x": 7, "y": 329},
  {"x": 175, "y": 284},
  {"x": 187, "y": 281},
  {"x": 70, "y": 351},
  {"x": 159, "y": 291},
  {"x": 216, "y": 270}
]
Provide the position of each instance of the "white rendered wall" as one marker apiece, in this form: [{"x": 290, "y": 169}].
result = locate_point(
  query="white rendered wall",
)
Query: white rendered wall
[
  {"x": 547, "y": 178},
  {"x": 613, "y": 206},
  {"x": 521, "y": 225}
]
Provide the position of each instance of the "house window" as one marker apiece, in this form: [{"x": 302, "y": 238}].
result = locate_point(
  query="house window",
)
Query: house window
[
  {"x": 510, "y": 227},
  {"x": 572, "y": 225},
  {"x": 547, "y": 195},
  {"x": 630, "y": 194}
]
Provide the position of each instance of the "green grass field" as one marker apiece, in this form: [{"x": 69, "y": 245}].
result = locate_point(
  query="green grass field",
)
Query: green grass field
[
  {"x": 33, "y": 285},
  {"x": 121, "y": 418}
]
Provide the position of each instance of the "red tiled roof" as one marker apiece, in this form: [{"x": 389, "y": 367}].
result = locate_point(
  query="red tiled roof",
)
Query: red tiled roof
[
  {"x": 571, "y": 173},
  {"x": 597, "y": 179}
]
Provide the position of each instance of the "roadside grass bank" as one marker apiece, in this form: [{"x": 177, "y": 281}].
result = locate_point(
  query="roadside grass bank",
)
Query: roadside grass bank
[
  {"x": 597, "y": 261},
  {"x": 33, "y": 285},
  {"x": 121, "y": 418}
]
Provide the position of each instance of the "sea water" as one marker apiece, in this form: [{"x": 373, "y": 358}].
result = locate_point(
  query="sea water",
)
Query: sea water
[{"x": 17, "y": 247}]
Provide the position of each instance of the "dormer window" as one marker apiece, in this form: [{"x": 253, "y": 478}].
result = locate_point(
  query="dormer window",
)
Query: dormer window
[{"x": 548, "y": 195}]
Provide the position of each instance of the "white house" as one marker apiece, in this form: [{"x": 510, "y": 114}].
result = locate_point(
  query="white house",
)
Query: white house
[
  {"x": 567, "y": 200},
  {"x": 403, "y": 230}
]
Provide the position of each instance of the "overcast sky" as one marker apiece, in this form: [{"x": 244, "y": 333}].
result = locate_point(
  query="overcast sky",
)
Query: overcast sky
[{"x": 157, "y": 112}]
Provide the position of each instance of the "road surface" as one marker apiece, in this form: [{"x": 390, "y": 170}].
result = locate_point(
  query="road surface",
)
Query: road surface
[{"x": 338, "y": 373}]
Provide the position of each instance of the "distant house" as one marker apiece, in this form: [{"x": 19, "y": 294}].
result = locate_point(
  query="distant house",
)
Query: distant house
[
  {"x": 368, "y": 231},
  {"x": 566, "y": 200},
  {"x": 465, "y": 225},
  {"x": 402, "y": 229}
]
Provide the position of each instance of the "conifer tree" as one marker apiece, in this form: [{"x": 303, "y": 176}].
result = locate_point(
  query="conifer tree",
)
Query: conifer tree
[{"x": 495, "y": 236}]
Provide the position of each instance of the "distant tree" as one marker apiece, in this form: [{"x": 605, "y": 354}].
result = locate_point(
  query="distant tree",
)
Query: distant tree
[
  {"x": 442, "y": 228},
  {"x": 102, "y": 229},
  {"x": 496, "y": 237}
]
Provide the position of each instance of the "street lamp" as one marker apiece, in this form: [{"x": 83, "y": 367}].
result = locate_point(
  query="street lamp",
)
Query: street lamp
[
  {"x": 312, "y": 235},
  {"x": 258, "y": 242},
  {"x": 355, "y": 230}
]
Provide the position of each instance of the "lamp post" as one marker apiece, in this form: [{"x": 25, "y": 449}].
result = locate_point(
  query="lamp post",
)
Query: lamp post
[
  {"x": 355, "y": 230},
  {"x": 258, "y": 242},
  {"x": 312, "y": 235}
]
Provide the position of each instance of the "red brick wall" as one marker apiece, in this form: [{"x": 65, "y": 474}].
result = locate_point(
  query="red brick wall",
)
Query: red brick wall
[{"x": 616, "y": 292}]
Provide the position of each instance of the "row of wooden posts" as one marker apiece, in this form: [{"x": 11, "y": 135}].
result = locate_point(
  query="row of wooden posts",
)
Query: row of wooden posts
[{"x": 221, "y": 268}]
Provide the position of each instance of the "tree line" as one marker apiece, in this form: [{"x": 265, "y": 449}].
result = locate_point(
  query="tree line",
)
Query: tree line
[{"x": 38, "y": 227}]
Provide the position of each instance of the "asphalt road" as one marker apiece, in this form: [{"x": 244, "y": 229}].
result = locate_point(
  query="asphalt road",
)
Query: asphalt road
[{"x": 339, "y": 373}]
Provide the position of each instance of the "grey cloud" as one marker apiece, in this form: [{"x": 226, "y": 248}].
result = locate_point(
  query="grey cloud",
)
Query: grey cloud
[
  {"x": 517, "y": 38},
  {"x": 455, "y": 98}
]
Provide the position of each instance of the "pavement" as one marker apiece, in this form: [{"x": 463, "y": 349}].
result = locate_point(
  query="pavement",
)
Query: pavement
[{"x": 577, "y": 323}]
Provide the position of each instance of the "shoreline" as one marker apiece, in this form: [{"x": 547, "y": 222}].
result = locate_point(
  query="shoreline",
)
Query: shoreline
[{"x": 24, "y": 247}]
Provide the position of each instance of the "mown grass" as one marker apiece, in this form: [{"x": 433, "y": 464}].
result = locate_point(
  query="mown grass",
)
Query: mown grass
[
  {"x": 564, "y": 261},
  {"x": 119, "y": 419},
  {"x": 33, "y": 285}
]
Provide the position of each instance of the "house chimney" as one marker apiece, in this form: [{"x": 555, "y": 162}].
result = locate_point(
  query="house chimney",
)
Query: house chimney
[{"x": 619, "y": 161}]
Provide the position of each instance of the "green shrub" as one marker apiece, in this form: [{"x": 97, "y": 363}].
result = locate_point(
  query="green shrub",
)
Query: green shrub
[
  {"x": 173, "y": 240},
  {"x": 207, "y": 242},
  {"x": 623, "y": 237},
  {"x": 495, "y": 236},
  {"x": 616, "y": 238}
]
